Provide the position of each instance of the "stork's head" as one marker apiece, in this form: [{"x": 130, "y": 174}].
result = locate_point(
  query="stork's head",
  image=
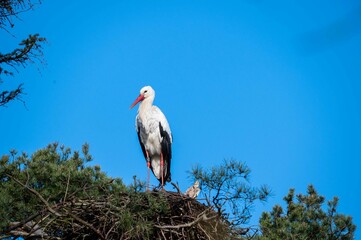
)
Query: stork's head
[{"x": 146, "y": 93}]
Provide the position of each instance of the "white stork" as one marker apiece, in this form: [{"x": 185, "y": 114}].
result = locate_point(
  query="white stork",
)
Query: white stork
[{"x": 154, "y": 135}]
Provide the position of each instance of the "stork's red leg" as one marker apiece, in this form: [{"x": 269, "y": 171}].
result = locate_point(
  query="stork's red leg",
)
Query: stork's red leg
[
  {"x": 148, "y": 166},
  {"x": 161, "y": 169}
]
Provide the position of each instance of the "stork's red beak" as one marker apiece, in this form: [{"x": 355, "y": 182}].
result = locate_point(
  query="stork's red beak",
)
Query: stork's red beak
[{"x": 139, "y": 99}]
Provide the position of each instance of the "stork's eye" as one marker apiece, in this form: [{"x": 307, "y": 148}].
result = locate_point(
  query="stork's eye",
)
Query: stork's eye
[{"x": 145, "y": 91}]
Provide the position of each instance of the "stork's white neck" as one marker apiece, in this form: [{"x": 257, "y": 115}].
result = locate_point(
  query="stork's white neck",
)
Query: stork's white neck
[{"x": 146, "y": 104}]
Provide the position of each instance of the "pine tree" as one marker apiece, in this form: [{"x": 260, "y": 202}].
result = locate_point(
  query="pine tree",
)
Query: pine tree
[
  {"x": 305, "y": 218},
  {"x": 228, "y": 190},
  {"x": 56, "y": 194}
]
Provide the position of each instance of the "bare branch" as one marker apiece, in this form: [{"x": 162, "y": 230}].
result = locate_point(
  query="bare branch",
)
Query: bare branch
[{"x": 10, "y": 9}]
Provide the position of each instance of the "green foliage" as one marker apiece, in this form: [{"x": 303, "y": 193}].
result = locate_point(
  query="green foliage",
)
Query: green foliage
[
  {"x": 140, "y": 216},
  {"x": 56, "y": 174},
  {"x": 56, "y": 194},
  {"x": 305, "y": 219},
  {"x": 56, "y": 190},
  {"x": 227, "y": 188}
]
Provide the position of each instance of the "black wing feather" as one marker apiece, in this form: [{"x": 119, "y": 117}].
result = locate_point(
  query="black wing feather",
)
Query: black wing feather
[
  {"x": 166, "y": 150},
  {"x": 141, "y": 144}
]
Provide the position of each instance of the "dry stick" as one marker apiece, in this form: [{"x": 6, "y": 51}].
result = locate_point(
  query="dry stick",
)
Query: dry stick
[
  {"x": 17, "y": 233},
  {"x": 50, "y": 209},
  {"x": 48, "y": 223},
  {"x": 110, "y": 230},
  {"x": 86, "y": 224},
  {"x": 163, "y": 235},
  {"x": 67, "y": 187},
  {"x": 35, "y": 227},
  {"x": 15, "y": 226},
  {"x": 174, "y": 232},
  {"x": 200, "y": 218},
  {"x": 176, "y": 187},
  {"x": 204, "y": 231},
  {"x": 5, "y": 236}
]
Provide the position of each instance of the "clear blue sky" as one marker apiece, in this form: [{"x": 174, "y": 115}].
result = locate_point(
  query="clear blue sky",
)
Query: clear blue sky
[{"x": 273, "y": 83}]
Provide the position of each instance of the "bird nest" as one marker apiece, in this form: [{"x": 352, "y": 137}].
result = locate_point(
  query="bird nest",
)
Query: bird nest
[{"x": 127, "y": 215}]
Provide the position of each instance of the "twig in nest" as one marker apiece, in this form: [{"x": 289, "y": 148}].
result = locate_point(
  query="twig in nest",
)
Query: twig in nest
[
  {"x": 176, "y": 187},
  {"x": 205, "y": 232},
  {"x": 202, "y": 217},
  {"x": 86, "y": 224},
  {"x": 67, "y": 187}
]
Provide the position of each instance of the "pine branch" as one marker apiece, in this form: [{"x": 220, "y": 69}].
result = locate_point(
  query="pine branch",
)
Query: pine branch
[{"x": 33, "y": 191}]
